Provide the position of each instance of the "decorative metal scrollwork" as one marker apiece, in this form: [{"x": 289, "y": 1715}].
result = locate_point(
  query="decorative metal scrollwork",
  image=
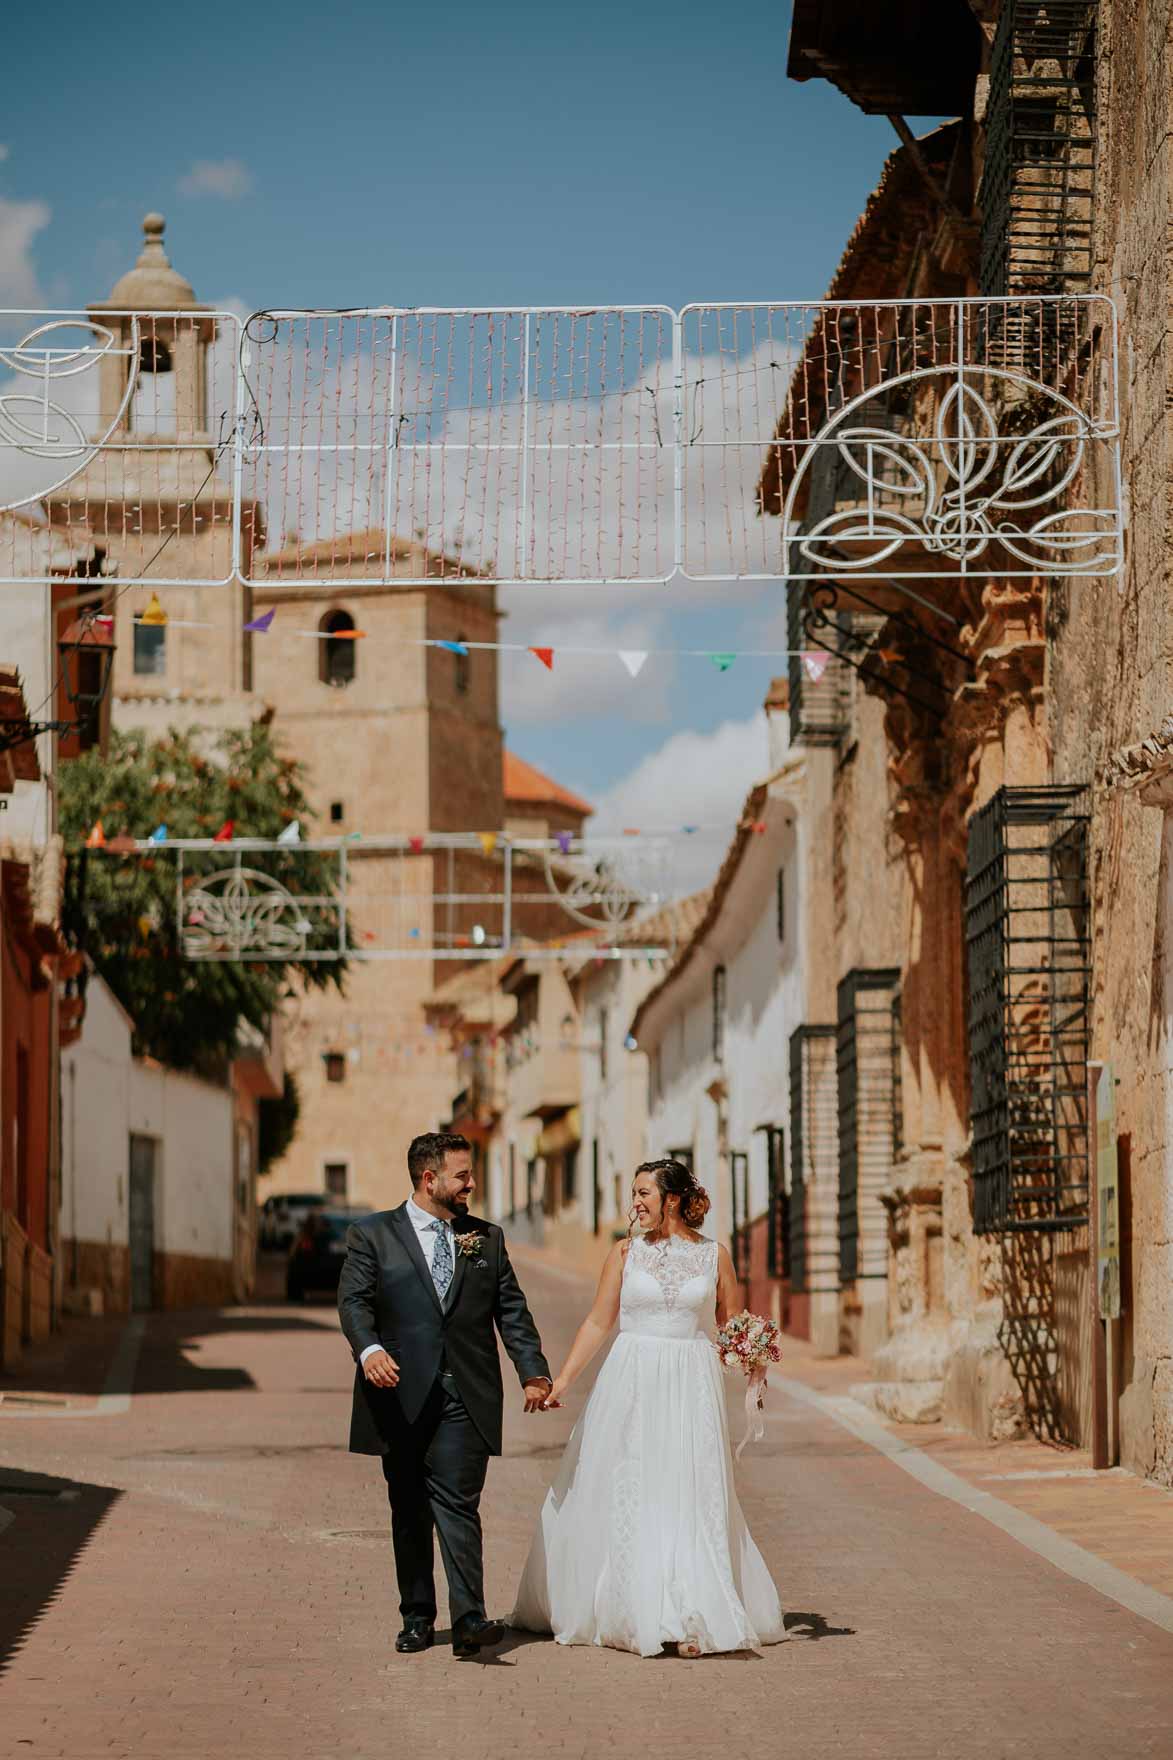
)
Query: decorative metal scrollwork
[
  {"x": 602, "y": 891},
  {"x": 241, "y": 911},
  {"x": 962, "y": 490},
  {"x": 35, "y": 423}
]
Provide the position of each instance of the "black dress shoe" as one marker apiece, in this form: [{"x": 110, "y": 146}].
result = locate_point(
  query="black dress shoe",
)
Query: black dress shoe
[
  {"x": 475, "y": 1633},
  {"x": 418, "y": 1634}
]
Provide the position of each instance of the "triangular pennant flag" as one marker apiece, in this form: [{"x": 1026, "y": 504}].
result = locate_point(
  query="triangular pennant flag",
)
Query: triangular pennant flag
[
  {"x": 97, "y": 837},
  {"x": 688, "y": 830},
  {"x": 158, "y": 835},
  {"x": 224, "y": 835},
  {"x": 345, "y": 635},
  {"x": 758, "y": 827},
  {"x": 564, "y": 839},
  {"x": 416, "y": 844},
  {"x": 633, "y": 659},
  {"x": 154, "y": 613},
  {"x": 122, "y": 845},
  {"x": 546, "y": 656},
  {"x": 722, "y": 661},
  {"x": 260, "y": 625},
  {"x": 455, "y": 647},
  {"x": 631, "y": 831},
  {"x": 291, "y": 833},
  {"x": 814, "y": 665},
  {"x": 488, "y": 841}
]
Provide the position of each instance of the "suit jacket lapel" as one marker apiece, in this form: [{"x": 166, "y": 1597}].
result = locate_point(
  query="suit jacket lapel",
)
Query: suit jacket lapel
[
  {"x": 457, "y": 1275},
  {"x": 408, "y": 1239}
]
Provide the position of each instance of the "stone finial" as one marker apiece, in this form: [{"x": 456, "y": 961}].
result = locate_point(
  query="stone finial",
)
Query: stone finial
[{"x": 154, "y": 226}]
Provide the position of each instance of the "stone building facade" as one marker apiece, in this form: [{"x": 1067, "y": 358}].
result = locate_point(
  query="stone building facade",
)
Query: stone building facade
[{"x": 1032, "y": 707}]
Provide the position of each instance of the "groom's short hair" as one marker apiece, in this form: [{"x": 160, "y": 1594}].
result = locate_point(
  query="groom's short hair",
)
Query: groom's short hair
[{"x": 426, "y": 1154}]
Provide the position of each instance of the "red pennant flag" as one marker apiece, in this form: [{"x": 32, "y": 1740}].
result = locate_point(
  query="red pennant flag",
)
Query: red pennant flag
[
  {"x": 224, "y": 835},
  {"x": 416, "y": 844},
  {"x": 546, "y": 656}
]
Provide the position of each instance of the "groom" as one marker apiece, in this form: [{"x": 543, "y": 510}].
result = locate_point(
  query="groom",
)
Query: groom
[{"x": 422, "y": 1288}]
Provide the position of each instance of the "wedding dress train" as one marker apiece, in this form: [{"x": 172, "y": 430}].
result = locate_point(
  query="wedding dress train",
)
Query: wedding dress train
[{"x": 641, "y": 1540}]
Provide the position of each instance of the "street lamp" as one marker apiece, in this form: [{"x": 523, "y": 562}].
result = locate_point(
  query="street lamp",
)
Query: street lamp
[{"x": 87, "y": 664}]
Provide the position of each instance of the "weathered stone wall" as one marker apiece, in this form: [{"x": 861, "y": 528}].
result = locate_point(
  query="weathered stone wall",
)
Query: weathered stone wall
[{"x": 1109, "y": 686}]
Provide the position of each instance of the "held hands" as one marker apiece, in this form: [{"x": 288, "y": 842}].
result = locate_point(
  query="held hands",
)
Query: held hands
[
  {"x": 537, "y": 1395},
  {"x": 553, "y": 1399},
  {"x": 381, "y": 1370}
]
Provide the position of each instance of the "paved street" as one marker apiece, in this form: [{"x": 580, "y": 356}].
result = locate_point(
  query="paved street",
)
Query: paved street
[{"x": 205, "y": 1571}]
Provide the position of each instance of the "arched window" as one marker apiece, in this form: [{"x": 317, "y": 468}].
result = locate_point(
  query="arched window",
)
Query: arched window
[
  {"x": 336, "y": 655},
  {"x": 462, "y": 670}
]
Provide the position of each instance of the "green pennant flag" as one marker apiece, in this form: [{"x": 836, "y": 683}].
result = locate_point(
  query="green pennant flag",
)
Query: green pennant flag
[{"x": 722, "y": 661}]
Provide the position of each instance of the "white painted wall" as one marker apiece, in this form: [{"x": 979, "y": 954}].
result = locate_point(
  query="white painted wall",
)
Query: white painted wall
[{"x": 106, "y": 1095}]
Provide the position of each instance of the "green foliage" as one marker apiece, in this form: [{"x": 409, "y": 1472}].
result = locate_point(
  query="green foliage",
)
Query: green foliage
[
  {"x": 123, "y": 907},
  {"x": 277, "y": 1123}
]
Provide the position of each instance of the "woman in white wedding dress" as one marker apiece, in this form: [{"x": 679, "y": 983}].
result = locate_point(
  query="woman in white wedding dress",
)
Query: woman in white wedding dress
[{"x": 641, "y": 1542}]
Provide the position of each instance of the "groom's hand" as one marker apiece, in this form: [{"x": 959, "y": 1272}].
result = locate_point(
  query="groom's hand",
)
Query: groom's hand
[
  {"x": 536, "y": 1394},
  {"x": 381, "y": 1370}
]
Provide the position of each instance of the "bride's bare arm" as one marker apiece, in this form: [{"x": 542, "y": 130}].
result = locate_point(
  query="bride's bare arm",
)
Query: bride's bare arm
[
  {"x": 729, "y": 1300},
  {"x": 598, "y": 1323}
]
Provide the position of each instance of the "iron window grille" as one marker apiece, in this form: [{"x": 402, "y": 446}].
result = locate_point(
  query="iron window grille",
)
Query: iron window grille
[
  {"x": 778, "y": 1205},
  {"x": 684, "y": 1156},
  {"x": 867, "y": 1049},
  {"x": 1038, "y": 184},
  {"x": 817, "y": 706},
  {"x": 814, "y": 1136},
  {"x": 739, "y": 1180},
  {"x": 1029, "y": 975}
]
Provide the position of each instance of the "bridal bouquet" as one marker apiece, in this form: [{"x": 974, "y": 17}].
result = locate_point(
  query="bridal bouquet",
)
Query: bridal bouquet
[{"x": 749, "y": 1342}]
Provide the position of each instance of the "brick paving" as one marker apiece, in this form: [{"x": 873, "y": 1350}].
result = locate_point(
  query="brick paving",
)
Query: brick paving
[{"x": 208, "y": 1574}]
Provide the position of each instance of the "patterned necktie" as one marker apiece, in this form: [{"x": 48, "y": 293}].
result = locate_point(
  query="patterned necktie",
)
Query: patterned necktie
[{"x": 441, "y": 1260}]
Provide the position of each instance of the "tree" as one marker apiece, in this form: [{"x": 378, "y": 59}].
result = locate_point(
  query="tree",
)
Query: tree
[
  {"x": 122, "y": 909},
  {"x": 277, "y": 1124}
]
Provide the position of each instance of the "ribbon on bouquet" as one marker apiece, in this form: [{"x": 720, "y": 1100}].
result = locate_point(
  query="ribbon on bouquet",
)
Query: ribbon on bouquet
[{"x": 755, "y": 1405}]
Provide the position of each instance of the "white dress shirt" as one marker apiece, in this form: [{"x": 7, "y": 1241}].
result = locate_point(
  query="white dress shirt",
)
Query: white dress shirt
[{"x": 426, "y": 1235}]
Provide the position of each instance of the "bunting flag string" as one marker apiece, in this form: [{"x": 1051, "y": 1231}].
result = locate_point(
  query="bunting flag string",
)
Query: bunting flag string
[{"x": 633, "y": 660}]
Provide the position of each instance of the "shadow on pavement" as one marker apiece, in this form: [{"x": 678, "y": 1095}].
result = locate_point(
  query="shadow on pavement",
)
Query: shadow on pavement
[
  {"x": 53, "y": 1521},
  {"x": 813, "y": 1625}
]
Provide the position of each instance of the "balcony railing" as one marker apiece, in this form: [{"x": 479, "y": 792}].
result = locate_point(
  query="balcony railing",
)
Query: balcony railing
[{"x": 1027, "y": 934}]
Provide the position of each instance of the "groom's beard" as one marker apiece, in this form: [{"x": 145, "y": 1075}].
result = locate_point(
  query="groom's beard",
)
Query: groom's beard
[{"x": 456, "y": 1203}]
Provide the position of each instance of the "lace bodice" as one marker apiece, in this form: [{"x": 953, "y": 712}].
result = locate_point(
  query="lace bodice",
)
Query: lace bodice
[{"x": 669, "y": 1288}]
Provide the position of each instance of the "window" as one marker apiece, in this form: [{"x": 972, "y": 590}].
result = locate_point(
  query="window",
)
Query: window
[
  {"x": 461, "y": 669},
  {"x": 154, "y": 356},
  {"x": 739, "y": 1181},
  {"x": 150, "y": 649},
  {"x": 778, "y": 1208},
  {"x": 337, "y": 1178},
  {"x": 337, "y": 812},
  {"x": 719, "y": 1014},
  {"x": 570, "y": 1175},
  {"x": 603, "y": 1044},
  {"x": 335, "y": 1062},
  {"x": 868, "y": 1089},
  {"x": 780, "y": 905},
  {"x": 337, "y": 657},
  {"x": 682, "y": 1155}
]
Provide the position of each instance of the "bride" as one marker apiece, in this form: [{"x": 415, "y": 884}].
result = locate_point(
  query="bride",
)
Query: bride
[{"x": 641, "y": 1542}]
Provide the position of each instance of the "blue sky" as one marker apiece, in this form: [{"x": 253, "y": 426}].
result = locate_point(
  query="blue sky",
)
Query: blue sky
[{"x": 459, "y": 155}]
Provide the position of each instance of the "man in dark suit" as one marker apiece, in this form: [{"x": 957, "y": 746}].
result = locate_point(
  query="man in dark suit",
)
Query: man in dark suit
[{"x": 424, "y": 1291}]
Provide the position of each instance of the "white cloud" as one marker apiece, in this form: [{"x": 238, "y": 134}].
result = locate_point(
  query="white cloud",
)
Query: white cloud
[
  {"x": 586, "y": 685},
  {"x": 19, "y": 224},
  {"x": 229, "y": 179},
  {"x": 4, "y": 151},
  {"x": 693, "y": 779}
]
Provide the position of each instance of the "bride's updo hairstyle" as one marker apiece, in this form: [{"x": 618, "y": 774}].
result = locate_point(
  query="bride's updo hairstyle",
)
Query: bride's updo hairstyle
[{"x": 675, "y": 1180}]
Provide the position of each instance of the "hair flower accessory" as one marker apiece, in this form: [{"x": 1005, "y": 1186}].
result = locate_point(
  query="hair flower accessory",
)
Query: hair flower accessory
[
  {"x": 749, "y": 1342},
  {"x": 470, "y": 1243}
]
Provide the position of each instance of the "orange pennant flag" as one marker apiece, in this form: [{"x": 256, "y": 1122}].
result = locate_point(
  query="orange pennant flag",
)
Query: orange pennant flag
[
  {"x": 97, "y": 837},
  {"x": 224, "y": 835},
  {"x": 545, "y": 655}
]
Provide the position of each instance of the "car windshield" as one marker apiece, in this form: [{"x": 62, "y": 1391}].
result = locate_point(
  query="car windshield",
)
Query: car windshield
[{"x": 314, "y": 1200}]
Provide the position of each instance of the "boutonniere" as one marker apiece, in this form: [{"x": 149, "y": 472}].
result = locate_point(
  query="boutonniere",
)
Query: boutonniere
[{"x": 470, "y": 1243}]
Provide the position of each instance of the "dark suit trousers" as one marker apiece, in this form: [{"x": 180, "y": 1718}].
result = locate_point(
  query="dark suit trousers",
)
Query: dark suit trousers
[{"x": 435, "y": 1472}]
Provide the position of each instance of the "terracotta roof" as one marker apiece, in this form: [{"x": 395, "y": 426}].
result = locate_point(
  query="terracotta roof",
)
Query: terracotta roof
[
  {"x": 523, "y": 782},
  {"x": 874, "y": 266},
  {"x": 22, "y": 759},
  {"x": 366, "y": 546}
]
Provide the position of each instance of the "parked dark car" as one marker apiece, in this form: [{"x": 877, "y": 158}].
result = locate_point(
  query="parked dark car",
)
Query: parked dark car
[
  {"x": 318, "y": 1251},
  {"x": 283, "y": 1214}
]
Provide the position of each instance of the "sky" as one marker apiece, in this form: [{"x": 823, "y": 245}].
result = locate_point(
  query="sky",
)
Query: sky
[{"x": 470, "y": 154}]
